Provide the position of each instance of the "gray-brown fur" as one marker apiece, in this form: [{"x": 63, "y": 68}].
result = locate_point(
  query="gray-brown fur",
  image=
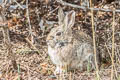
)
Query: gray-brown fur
[{"x": 69, "y": 48}]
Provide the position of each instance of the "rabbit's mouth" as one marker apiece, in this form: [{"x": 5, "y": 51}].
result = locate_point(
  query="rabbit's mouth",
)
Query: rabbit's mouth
[
  {"x": 56, "y": 44},
  {"x": 61, "y": 44}
]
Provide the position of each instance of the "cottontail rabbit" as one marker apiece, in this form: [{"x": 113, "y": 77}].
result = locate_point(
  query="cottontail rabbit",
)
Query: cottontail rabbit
[{"x": 69, "y": 48}]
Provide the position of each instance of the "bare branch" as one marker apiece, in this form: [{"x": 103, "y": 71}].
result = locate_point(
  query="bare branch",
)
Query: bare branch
[
  {"x": 85, "y": 8},
  {"x": 29, "y": 22},
  {"x": 19, "y": 4}
]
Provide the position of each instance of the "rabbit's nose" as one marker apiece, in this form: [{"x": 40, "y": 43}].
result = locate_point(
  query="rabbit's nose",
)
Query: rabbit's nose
[{"x": 61, "y": 44}]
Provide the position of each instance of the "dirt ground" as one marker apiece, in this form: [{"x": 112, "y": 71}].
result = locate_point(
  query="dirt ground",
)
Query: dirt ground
[{"x": 33, "y": 66}]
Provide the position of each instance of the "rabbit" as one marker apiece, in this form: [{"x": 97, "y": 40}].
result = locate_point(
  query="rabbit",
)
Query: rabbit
[{"x": 69, "y": 48}]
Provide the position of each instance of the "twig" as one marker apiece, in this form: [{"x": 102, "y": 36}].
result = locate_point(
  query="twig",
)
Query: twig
[
  {"x": 111, "y": 58},
  {"x": 30, "y": 27},
  {"x": 19, "y": 5},
  {"x": 113, "y": 45},
  {"x": 85, "y": 8},
  {"x": 32, "y": 44},
  {"x": 34, "y": 47},
  {"x": 52, "y": 11},
  {"x": 94, "y": 43}
]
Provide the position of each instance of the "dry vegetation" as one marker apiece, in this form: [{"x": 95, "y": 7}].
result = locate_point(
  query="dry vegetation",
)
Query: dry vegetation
[{"x": 23, "y": 49}]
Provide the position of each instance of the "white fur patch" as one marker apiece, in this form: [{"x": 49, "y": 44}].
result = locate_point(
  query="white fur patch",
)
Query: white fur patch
[{"x": 54, "y": 55}]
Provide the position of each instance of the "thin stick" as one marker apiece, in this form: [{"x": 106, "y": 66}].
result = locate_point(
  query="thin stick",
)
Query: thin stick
[
  {"x": 113, "y": 45},
  {"x": 84, "y": 8},
  {"x": 94, "y": 44},
  {"x": 19, "y": 5},
  {"x": 30, "y": 27},
  {"x": 35, "y": 47},
  {"x": 111, "y": 59}
]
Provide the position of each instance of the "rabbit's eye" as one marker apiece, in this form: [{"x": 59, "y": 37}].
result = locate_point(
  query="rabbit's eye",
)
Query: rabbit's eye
[{"x": 58, "y": 34}]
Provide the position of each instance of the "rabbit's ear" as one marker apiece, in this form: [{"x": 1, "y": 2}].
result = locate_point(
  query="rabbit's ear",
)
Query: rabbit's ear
[
  {"x": 60, "y": 16},
  {"x": 69, "y": 19}
]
